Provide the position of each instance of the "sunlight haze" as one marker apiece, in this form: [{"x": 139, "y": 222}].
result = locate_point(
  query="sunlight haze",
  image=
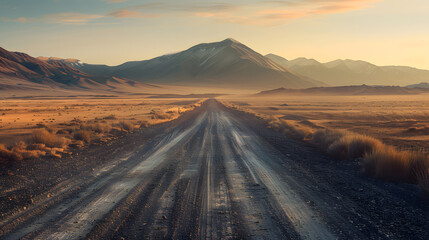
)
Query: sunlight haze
[{"x": 384, "y": 32}]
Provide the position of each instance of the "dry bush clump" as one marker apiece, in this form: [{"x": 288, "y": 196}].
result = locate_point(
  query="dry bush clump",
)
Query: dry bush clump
[
  {"x": 143, "y": 124},
  {"x": 24, "y": 150},
  {"x": 325, "y": 138},
  {"x": 127, "y": 126},
  {"x": 389, "y": 164},
  {"x": 83, "y": 135},
  {"x": 18, "y": 152},
  {"x": 43, "y": 136},
  {"x": 289, "y": 128},
  {"x": 160, "y": 115},
  {"x": 347, "y": 145},
  {"x": 98, "y": 127},
  {"x": 8, "y": 155}
]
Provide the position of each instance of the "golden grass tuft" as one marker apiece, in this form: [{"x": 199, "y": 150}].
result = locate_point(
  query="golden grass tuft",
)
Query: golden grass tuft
[
  {"x": 43, "y": 136},
  {"x": 8, "y": 155},
  {"x": 389, "y": 164},
  {"x": 127, "y": 126},
  {"x": 350, "y": 145},
  {"x": 18, "y": 152},
  {"x": 289, "y": 128}
]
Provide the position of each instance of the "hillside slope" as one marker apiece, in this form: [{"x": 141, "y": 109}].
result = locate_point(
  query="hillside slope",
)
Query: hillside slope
[
  {"x": 20, "y": 71},
  {"x": 227, "y": 63},
  {"x": 351, "y": 72}
]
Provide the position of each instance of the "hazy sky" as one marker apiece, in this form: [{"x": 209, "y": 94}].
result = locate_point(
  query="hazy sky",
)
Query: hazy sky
[{"x": 384, "y": 32}]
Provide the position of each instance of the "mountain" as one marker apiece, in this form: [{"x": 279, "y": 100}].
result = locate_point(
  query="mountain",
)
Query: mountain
[
  {"x": 419, "y": 85},
  {"x": 21, "y": 71},
  {"x": 227, "y": 63},
  {"x": 343, "y": 91},
  {"x": 351, "y": 72}
]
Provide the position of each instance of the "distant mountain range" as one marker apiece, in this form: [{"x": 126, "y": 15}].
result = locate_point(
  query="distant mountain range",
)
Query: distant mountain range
[
  {"x": 227, "y": 64},
  {"x": 419, "y": 85},
  {"x": 344, "y": 91},
  {"x": 350, "y": 72},
  {"x": 20, "y": 71}
]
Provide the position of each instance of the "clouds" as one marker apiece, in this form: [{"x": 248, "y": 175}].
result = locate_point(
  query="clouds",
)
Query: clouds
[
  {"x": 288, "y": 10},
  {"x": 70, "y": 18},
  {"x": 124, "y": 13},
  {"x": 280, "y": 12},
  {"x": 261, "y": 13},
  {"x": 21, "y": 19}
]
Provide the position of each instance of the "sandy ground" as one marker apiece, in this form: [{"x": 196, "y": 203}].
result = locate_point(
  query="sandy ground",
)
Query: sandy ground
[
  {"x": 389, "y": 118},
  {"x": 20, "y": 117},
  {"x": 213, "y": 173}
]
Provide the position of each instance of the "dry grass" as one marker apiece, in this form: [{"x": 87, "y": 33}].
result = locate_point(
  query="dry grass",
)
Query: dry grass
[
  {"x": 389, "y": 164},
  {"x": 127, "y": 126},
  {"x": 401, "y": 121},
  {"x": 158, "y": 115},
  {"x": 378, "y": 159},
  {"x": 295, "y": 130},
  {"x": 8, "y": 155},
  {"x": 37, "y": 127},
  {"x": 43, "y": 136},
  {"x": 83, "y": 135},
  {"x": 97, "y": 128},
  {"x": 344, "y": 144}
]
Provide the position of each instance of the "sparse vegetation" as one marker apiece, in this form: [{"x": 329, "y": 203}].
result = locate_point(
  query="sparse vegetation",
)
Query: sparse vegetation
[
  {"x": 377, "y": 159},
  {"x": 71, "y": 129},
  {"x": 43, "y": 136},
  {"x": 83, "y": 135},
  {"x": 127, "y": 126}
]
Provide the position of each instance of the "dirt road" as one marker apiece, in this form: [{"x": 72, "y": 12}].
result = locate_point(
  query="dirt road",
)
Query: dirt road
[{"x": 213, "y": 176}]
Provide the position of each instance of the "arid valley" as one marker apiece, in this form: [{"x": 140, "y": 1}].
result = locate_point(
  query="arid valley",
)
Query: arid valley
[{"x": 211, "y": 138}]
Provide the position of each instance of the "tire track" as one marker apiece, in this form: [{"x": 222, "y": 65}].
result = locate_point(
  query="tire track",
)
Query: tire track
[
  {"x": 99, "y": 198},
  {"x": 304, "y": 220},
  {"x": 210, "y": 178}
]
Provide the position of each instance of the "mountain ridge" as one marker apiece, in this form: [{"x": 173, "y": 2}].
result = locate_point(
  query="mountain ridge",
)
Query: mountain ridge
[
  {"x": 228, "y": 62},
  {"x": 353, "y": 72},
  {"x": 21, "y": 71},
  {"x": 358, "y": 90}
]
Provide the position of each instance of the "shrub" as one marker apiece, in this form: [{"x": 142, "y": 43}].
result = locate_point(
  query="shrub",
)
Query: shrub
[
  {"x": 98, "y": 128},
  {"x": 162, "y": 116},
  {"x": 143, "y": 124},
  {"x": 324, "y": 138},
  {"x": 389, "y": 164},
  {"x": 22, "y": 149},
  {"x": 126, "y": 126},
  {"x": 289, "y": 128},
  {"x": 8, "y": 155},
  {"x": 386, "y": 164},
  {"x": 18, "y": 152},
  {"x": 83, "y": 135},
  {"x": 350, "y": 145},
  {"x": 42, "y": 136}
]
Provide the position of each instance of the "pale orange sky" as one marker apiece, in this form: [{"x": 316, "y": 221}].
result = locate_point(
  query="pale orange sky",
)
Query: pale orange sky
[{"x": 384, "y": 32}]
